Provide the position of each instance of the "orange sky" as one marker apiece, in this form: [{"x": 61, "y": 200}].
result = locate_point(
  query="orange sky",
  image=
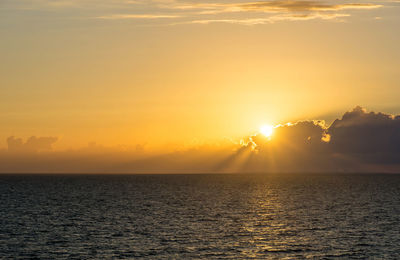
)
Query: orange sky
[{"x": 172, "y": 73}]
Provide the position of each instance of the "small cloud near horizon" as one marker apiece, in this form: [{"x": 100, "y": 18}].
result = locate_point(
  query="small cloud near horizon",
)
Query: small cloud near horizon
[{"x": 32, "y": 144}]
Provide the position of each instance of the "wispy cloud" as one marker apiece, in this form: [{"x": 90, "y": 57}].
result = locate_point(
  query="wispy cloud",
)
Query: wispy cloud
[
  {"x": 273, "y": 6},
  {"x": 186, "y": 12},
  {"x": 137, "y": 16},
  {"x": 272, "y": 19},
  {"x": 275, "y": 11}
]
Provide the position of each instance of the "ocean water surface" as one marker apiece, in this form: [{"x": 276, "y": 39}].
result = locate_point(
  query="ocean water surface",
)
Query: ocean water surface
[{"x": 200, "y": 216}]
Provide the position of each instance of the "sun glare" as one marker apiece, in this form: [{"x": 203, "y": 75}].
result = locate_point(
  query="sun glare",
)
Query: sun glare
[{"x": 267, "y": 130}]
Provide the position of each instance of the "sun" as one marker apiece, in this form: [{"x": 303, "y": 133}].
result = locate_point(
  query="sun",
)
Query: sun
[{"x": 267, "y": 130}]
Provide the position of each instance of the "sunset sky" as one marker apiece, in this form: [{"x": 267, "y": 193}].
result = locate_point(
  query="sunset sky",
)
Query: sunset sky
[{"x": 172, "y": 73}]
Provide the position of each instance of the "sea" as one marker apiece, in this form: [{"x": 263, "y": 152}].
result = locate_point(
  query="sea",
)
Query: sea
[{"x": 200, "y": 216}]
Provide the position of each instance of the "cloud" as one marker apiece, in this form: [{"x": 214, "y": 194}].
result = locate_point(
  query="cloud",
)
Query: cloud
[
  {"x": 271, "y": 19},
  {"x": 362, "y": 133},
  {"x": 136, "y": 16},
  {"x": 278, "y": 11},
  {"x": 358, "y": 141},
  {"x": 296, "y": 6},
  {"x": 33, "y": 144},
  {"x": 274, "y": 6},
  {"x": 243, "y": 13}
]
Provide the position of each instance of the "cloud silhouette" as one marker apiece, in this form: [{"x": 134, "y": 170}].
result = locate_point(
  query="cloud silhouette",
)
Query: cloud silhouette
[
  {"x": 358, "y": 138},
  {"x": 359, "y": 141},
  {"x": 32, "y": 144},
  {"x": 362, "y": 133}
]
